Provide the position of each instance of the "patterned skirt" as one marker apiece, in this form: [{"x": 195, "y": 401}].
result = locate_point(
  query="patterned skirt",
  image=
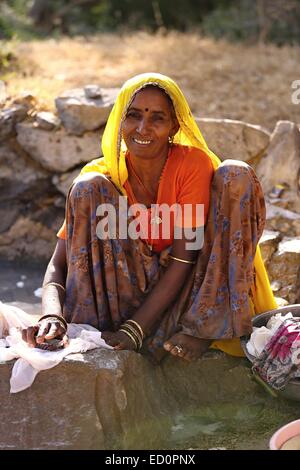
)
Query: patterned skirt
[{"x": 107, "y": 280}]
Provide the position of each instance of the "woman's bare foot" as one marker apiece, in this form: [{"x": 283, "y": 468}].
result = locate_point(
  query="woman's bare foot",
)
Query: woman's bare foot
[{"x": 186, "y": 346}]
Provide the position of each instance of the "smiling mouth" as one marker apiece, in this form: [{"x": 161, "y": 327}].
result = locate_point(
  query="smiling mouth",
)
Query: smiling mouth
[{"x": 141, "y": 142}]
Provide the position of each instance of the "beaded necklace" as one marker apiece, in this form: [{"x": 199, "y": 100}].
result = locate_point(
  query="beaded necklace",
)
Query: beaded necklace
[
  {"x": 138, "y": 178},
  {"x": 155, "y": 219}
]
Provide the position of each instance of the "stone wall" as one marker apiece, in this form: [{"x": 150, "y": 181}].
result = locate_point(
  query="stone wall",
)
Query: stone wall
[
  {"x": 41, "y": 153},
  {"x": 122, "y": 401}
]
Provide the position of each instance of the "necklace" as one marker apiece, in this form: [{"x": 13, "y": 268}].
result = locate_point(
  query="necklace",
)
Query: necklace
[
  {"x": 139, "y": 180},
  {"x": 155, "y": 220}
]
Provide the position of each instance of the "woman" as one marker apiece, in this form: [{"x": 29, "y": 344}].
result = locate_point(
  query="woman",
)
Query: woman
[{"x": 154, "y": 290}]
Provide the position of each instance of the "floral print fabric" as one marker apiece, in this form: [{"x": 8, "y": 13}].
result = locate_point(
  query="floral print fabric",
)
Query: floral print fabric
[
  {"x": 108, "y": 280},
  {"x": 280, "y": 360}
]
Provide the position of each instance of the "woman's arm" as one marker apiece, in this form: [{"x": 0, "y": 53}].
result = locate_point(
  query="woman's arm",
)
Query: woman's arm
[
  {"x": 168, "y": 287},
  {"x": 52, "y": 301},
  {"x": 53, "y": 296},
  {"x": 162, "y": 295}
]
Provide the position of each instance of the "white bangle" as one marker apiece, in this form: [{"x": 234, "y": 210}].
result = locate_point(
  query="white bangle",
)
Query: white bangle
[
  {"x": 182, "y": 260},
  {"x": 55, "y": 284}
]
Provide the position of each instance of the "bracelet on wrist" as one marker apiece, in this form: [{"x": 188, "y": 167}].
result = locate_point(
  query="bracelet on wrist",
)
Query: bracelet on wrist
[
  {"x": 130, "y": 336},
  {"x": 56, "y": 284},
  {"x": 136, "y": 325},
  {"x": 57, "y": 318},
  {"x": 134, "y": 331}
]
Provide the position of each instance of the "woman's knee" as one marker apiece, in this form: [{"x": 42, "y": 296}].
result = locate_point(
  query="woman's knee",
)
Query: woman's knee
[
  {"x": 234, "y": 165},
  {"x": 235, "y": 171},
  {"x": 89, "y": 183}
]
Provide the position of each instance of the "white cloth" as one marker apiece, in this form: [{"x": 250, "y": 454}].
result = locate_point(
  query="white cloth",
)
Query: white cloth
[
  {"x": 260, "y": 336},
  {"x": 31, "y": 360}
]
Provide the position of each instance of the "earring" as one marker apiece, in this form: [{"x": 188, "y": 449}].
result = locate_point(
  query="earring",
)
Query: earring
[{"x": 171, "y": 139}]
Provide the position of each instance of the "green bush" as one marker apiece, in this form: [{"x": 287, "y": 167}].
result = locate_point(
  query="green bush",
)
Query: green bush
[
  {"x": 280, "y": 23},
  {"x": 6, "y": 30},
  {"x": 267, "y": 20},
  {"x": 14, "y": 19},
  {"x": 7, "y": 55},
  {"x": 238, "y": 22}
]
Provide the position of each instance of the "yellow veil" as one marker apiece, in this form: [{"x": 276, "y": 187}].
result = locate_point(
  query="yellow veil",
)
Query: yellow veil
[
  {"x": 113, "y": 163},
  {"x": 113, "y": 147}
]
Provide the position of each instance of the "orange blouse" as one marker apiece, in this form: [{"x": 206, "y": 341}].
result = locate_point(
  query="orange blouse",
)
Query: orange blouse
[{"x": 186, "y": 179}]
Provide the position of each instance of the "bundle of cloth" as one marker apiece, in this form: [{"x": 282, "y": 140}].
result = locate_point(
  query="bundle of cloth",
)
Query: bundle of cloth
[
  {"x": 276, "y": 348},
  {"x": 32, "y": 360}
]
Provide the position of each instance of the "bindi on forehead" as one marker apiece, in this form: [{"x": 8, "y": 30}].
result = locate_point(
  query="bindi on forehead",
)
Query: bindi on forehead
[{"x": 146, "y": 110}]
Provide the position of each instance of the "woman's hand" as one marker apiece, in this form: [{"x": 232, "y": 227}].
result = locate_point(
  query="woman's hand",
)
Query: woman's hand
[
  {"x": 49, "y": 334},
  {"x": 118, "y": 340}
]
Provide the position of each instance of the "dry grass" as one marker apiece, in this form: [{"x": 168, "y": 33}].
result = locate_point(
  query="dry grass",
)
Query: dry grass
[{"x": 236, "y": 81}]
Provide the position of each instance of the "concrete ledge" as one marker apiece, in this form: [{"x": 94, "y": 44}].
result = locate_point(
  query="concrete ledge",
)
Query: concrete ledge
[{"x": 105, "y": 400}]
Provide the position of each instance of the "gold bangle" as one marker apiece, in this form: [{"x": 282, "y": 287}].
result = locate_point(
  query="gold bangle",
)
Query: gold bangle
[
  {"x": 131, "y": 329},
  {"x": 182, "y": 260},
  {"x": 130, "y": 336},
  {"x": 55, "y": 284},
  {"x": 138, "y": 327}
]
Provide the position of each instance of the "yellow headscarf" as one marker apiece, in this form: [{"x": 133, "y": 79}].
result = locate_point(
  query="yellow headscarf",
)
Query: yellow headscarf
[
  {"x": 189, "y": 134},
  {"x": 114, "y": 148}
]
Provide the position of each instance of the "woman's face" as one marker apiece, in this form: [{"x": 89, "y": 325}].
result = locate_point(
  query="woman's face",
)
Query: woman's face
[{"x": 149, "y": 123}]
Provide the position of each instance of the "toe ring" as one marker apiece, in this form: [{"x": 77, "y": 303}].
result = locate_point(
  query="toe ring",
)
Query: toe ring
[{"x": 178, "y": 348}]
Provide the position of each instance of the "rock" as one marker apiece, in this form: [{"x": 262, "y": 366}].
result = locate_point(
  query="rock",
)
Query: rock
[
  {"x": 281, "y": 302},
  {"x": 60, "y": 202},
  {"x": 64, "y": 181},
  {"x": 8, "y": 119},
  {"x": 235, "y": 139},
  {"x": 47, "y": 121},
  {"x": 268, "y": 244},
  {"x": 281, "y": 163},
  {"x": 67, "y": 422},
  {"x": 27, "y": 100},
  {"x": 56, "y": 150},
  {"x": 38, "y": 292},
  {"x": 27, "y": 239},
  {"x": 285, "y": 269},
  {"x": 21, "y": 179},
  {"x": 80, "y": 113},
  {"x": 122, "y": 400},
  {"x": 283, "y": 220},
  {"x": 92, "y": 91},
  {"x": 276, "y": 286},
  {"x": 31, "y": 210},
  {"x": 3, "y": 94},
  {"x": 8, "y": 215}
]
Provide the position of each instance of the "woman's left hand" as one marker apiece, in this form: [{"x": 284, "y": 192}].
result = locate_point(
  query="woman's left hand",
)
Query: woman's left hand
[{"x": 118, "y": 340}]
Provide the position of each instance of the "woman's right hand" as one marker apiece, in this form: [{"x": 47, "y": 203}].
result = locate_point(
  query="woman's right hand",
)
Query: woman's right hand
[{"x": 49, "y": 334}]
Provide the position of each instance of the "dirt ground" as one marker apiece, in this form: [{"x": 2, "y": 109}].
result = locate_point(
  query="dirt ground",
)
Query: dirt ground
[{"x": 222, "y": 80}]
